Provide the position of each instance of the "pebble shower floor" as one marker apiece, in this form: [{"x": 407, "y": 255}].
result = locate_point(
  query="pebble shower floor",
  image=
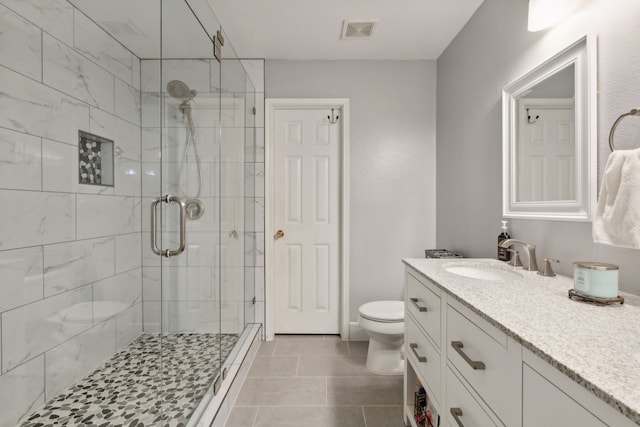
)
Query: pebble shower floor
[{"x": 141, "y": 385}]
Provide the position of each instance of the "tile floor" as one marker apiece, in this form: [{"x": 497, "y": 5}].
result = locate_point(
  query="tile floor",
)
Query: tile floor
[
  {"x": 155, "y": 380},
  {"x": 316, "y": 381}
]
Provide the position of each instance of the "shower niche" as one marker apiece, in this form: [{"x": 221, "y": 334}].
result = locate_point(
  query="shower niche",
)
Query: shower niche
[{"x": 95, "y": 159}]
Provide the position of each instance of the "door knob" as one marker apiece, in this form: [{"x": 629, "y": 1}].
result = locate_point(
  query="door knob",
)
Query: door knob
[{"x": 279, "y": 234}]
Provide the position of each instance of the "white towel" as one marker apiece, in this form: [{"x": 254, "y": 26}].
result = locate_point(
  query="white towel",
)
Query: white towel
[{"x": 617, "y": 219}]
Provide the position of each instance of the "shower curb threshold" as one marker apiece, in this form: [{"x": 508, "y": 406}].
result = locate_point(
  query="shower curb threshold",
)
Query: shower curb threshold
[{"x": 217, "y": 410}]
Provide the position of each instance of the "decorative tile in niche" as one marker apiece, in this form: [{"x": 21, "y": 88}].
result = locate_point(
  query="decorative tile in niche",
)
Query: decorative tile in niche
[{"x": 95, "y": 162}]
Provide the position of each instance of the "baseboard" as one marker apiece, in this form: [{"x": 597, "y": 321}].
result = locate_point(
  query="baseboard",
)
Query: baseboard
[{"x": 356, "y": 333}]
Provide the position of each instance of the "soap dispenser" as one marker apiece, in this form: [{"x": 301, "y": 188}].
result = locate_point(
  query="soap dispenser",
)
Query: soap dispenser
[{"x": 503, "y": 253}]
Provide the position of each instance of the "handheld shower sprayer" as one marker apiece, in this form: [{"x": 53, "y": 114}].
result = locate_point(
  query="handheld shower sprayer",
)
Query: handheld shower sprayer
[{"x": 180, "y": 91}]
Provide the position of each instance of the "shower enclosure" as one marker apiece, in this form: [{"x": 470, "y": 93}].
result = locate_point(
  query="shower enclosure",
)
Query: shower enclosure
[{"x": 131, "y": 235}]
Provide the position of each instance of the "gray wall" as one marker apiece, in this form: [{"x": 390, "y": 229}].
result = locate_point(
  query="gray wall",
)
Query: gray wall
[
  {"x": 392, "y": 168},
  {"x": 559, "y": 85},
  {"x": 492, "y": 50}
]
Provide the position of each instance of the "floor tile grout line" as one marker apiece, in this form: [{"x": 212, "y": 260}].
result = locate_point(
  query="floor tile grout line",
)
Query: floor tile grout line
[
  {"x": 255, "y": 417},
  {"x": 364, "y": 417},
  {"x": 326, "y": 390},
  {"x": 347, "y": 377},
  {"x": 303, "y": 405},
  {"x": 275, "y": 347},
  {"x": 263, "y": 406}
]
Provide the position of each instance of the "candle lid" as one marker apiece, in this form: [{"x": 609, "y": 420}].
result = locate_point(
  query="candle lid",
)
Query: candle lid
[{"x": 595, "y": 265}]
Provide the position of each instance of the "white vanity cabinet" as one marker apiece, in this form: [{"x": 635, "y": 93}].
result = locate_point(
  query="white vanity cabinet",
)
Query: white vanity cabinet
[{"x": 477, "y": 375}]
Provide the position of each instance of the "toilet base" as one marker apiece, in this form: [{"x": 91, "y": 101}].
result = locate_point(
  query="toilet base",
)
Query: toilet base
[{"x": 385, "y": 359}]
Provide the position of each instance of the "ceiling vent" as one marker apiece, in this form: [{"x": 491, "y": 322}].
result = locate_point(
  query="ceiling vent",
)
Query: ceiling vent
[{"x": 358, "y": 29}]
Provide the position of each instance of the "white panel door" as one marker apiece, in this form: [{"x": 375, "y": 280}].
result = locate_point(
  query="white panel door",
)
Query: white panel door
[
  {"x": 306, "y": 198},
  {"x": 547, "y": 155}
]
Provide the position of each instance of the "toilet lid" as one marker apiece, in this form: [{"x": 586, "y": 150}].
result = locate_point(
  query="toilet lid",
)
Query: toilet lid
[{"x": 385, "y": 311}]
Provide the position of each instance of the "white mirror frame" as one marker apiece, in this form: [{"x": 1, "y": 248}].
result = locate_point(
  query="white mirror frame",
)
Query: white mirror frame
[{"x": 583, "y": 55}]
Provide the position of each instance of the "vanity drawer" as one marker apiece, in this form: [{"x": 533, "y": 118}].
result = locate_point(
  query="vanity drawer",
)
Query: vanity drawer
[
  {"x": 481, "y": 356},
  {"x": 423, "y": 356},
  {"x": 468, "y": 411},
  {"x": 424, "y": 304}
]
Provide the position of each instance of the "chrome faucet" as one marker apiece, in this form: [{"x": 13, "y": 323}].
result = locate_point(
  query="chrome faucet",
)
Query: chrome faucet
[{"x": 530, "y": 250}]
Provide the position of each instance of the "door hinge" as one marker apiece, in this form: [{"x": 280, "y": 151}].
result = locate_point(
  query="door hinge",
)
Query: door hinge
[
  {"x": 253, "y": 300},
  {"x": 218, "y": 42}
]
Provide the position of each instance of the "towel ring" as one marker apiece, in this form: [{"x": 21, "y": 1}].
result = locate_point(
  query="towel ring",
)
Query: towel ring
[{"x": 634, "y": 112}]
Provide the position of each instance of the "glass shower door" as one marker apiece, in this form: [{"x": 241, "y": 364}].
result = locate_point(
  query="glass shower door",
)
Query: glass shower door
[
  {"x": 237, "y": 203},
  {"x": 184, "y": 214},
  {"x": 198, "y": 214}
]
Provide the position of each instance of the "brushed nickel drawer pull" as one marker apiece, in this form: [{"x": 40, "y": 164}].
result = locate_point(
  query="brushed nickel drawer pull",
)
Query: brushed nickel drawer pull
[
  {"x": 418, "y": 306},
  {"x": 457, "y": 413},
  {"x": 414, "y": 346},
  {"x": 458, "y": 346}
]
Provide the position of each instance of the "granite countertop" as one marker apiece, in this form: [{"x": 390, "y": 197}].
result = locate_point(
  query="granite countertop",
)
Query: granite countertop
[{"x": 596, "y": 346}]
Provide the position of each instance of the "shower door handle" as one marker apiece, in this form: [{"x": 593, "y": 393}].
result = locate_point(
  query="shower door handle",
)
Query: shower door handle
[{"x": 183, "y": 226}]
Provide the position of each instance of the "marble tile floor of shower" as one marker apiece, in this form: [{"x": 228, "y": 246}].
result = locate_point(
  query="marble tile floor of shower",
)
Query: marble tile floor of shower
[
  {"x": 151, "y": 382},
  {"x": 316, "y": 381}
]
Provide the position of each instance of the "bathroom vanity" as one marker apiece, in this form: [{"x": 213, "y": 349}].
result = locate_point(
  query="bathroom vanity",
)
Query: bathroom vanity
[{"x": 495, "y": 345}]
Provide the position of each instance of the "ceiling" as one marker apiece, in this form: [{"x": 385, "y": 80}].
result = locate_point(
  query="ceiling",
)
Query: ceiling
[
  {"x": 151, "y": 28},
  {"x": 304, "y": 29},
  {"x": 282, "y": 29}
]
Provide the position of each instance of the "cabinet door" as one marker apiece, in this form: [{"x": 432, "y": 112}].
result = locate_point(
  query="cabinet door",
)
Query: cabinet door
[{"x": 544, "y": 404}]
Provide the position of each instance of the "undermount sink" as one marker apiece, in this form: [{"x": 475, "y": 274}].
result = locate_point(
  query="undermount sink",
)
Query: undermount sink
[{"x": 484, "y": 272}]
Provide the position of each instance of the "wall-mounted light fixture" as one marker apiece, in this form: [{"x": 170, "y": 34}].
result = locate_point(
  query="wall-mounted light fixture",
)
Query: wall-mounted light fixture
[{"x": 546, "y": 13}]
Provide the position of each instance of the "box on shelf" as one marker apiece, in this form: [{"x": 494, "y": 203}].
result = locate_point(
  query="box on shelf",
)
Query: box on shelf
[{"x": 440, "y": 253}]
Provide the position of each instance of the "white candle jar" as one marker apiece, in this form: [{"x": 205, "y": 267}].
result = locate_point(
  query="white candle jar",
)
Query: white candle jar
[{"x": 596, "y": 279}]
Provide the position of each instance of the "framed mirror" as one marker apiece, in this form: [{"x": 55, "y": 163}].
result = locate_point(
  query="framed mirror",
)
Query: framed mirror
[{"x": 549, "y": 138}]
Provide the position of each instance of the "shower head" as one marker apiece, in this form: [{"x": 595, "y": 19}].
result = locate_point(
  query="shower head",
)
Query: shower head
[{"x": 180, "y": 91}]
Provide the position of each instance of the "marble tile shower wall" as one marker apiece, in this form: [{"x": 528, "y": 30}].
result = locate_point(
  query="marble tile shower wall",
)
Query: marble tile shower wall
[
  {"x": 202, "y": 290},
  {"x": 70, "y": 254}
]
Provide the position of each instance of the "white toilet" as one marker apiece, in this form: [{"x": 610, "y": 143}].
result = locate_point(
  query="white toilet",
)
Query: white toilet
[{"x": 383, "y": 321}]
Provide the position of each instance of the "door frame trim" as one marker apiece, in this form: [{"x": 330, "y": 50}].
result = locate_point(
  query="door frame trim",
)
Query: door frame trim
[{"x": 271, "y": 105}]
